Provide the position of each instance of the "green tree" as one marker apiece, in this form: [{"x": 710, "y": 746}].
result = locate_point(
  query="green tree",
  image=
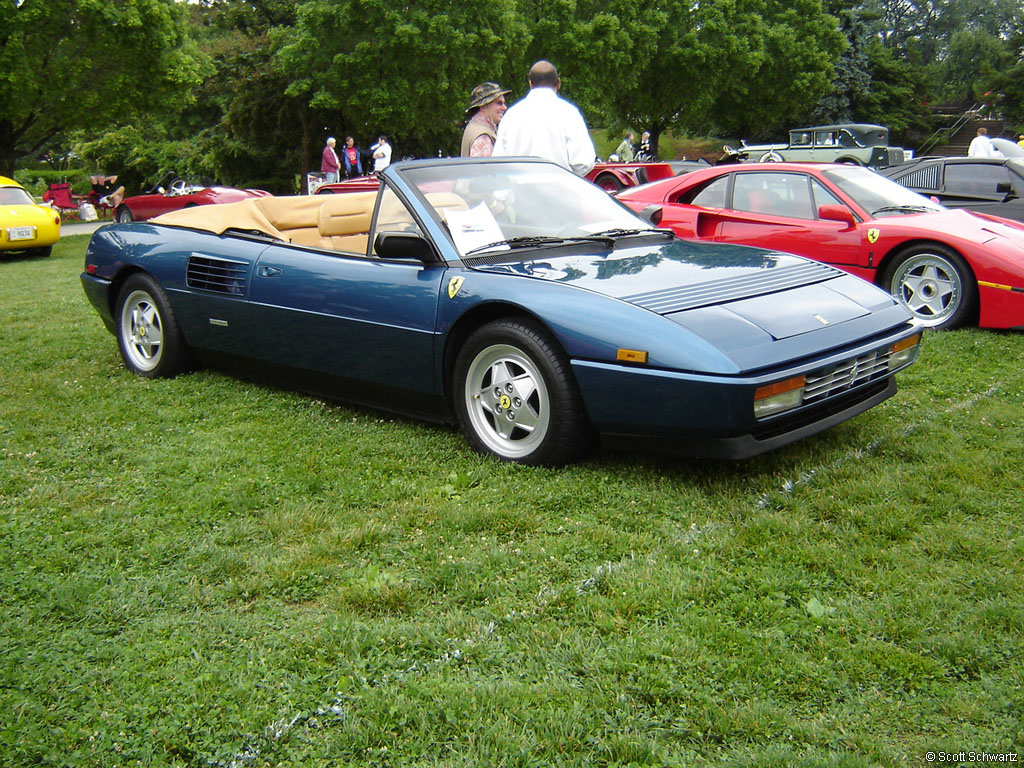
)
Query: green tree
[
  {"x": 974, "y": 57},
  {"x": 404, "y": 70},
  {"x": 735, "y": 67},
  {"x": 67, "y": 64}
]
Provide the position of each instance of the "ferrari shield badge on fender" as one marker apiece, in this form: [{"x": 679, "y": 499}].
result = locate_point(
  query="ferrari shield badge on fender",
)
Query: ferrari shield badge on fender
[
  {"x": 873, "y": 235},
  {"x": 454, "y": 285}
]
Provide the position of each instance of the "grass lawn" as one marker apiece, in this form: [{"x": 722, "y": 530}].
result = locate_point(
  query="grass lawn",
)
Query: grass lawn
[{"x": 206, "y": 572}]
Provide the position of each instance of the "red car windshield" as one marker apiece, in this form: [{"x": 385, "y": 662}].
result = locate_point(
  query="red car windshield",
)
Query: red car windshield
[{"x": 878, "y": 195}]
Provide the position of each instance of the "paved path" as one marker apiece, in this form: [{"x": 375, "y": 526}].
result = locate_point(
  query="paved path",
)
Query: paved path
[{"x": 80, "y": 227}]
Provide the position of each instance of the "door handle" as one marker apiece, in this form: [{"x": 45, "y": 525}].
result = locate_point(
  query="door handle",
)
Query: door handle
[{"x": 269, "y": 271}]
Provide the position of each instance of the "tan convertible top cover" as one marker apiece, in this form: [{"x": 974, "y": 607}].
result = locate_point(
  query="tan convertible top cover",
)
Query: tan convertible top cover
[{"x": 243, "y": 215}]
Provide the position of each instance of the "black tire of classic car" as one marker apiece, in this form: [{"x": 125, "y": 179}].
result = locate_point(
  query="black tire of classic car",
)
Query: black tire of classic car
[
  {"x": 43, "y": 252},
  {"x": 124, "y": 215},
  {"x": 608, "y": 183},
  {"x": 771, "y": 157},
  {"x": 935, "y": 283},
  {"x": 516, "y": 398},
  {"x": 148, "y": 336}
]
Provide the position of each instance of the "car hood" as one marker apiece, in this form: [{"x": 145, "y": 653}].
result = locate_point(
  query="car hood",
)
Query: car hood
[
  {"x": 955, "y": 223},
  {"x": 733, "y": 294}
]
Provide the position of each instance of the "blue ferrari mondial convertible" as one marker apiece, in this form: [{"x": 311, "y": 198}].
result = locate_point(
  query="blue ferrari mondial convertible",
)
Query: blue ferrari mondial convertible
[{"x": 513, "y": 297}]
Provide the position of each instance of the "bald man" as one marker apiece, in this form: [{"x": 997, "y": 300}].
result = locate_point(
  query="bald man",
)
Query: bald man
[{"x": 543, "y": 124}]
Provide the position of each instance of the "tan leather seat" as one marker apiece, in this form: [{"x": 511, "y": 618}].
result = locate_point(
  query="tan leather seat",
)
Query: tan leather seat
[{"x": 344, "y": 221}]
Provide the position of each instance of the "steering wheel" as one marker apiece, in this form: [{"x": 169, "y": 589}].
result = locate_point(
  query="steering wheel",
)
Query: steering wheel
[{"x": 178, "y": 187}]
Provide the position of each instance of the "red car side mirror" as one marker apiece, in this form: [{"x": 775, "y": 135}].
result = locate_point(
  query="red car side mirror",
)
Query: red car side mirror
[{"x": 836, "y": 213}]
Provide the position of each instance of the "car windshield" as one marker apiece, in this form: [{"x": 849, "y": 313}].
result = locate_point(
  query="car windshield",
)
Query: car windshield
[
  {"x": 15, "y": 196},
  {"x": 878, "y": 195},
  {"x": 498, "y": 206}
]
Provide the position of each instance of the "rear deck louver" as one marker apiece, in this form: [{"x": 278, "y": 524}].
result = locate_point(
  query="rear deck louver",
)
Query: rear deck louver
[
  {"x": 219, "y": 275},
  {"x": 923, "y": 178}
]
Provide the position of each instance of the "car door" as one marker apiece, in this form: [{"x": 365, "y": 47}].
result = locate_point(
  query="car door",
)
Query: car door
[
  {"x": 775, "y": 209},
  {"x": 367, "y": 323}
]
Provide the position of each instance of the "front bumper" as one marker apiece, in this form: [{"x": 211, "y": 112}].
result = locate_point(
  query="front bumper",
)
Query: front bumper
[{"x": 713, "y": 416}]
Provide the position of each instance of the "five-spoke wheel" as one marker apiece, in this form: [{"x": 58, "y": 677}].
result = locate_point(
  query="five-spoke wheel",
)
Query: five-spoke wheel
[
  {"x": 935, "y": 283},
  {"x": 147, "y": 334},
  {"x": 516, "y": 397}
]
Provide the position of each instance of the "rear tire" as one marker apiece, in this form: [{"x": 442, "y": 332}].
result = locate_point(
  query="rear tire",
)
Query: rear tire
[
  {"x": 148, "y": 336},
  {"x": 609, "y": 183},
  {"x": 516, "y": 398},
  {"x": 124, "y": 215}
]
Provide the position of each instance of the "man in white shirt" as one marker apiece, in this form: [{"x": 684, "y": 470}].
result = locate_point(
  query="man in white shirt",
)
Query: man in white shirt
[
  {"x": 982, "y": 146},
  {"x": 542, "y": 124},
  {"x": 381, "y": 154}
]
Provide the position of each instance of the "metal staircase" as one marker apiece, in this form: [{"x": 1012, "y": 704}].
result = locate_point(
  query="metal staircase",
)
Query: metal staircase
[{"x": 953, "y": 141}]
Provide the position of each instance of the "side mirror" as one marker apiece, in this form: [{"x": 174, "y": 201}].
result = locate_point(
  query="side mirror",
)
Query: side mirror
[
  {"x": 406, "y": 246},
  {"x": 1004, "y": 188},
  {"x": 838, "y": 213},
  {"x": 653, "y": 214}
]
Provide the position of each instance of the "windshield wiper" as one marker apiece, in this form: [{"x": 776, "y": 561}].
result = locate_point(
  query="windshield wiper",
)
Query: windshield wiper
[
  {"x": 532, "y": 241},
  {"x": 619, "y": 232},
  {"x": 909, "y": 208}
]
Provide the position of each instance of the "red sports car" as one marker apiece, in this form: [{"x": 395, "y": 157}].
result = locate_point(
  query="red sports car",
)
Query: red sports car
[
  {"x": 178, "y": 194},
  {"x": 949, "y": 267}
]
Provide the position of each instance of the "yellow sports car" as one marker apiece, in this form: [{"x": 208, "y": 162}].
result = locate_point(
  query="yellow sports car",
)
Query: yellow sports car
[{"x": 26, "y": 225}]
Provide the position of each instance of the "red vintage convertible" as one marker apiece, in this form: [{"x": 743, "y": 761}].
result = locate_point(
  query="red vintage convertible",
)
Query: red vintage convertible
[
  {"x": 177, "y": 194},
  {"x": 612, "y": 177},
  {"x": 949, "y": 267}
]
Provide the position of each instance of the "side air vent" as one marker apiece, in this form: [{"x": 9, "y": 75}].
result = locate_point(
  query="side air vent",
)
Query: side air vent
[{"x": 218, "y": 275}]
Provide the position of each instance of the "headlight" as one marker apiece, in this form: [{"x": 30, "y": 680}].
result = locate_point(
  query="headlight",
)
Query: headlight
[
  {"x": 780, "y": 396},
  {"x": 903, "y": 352}
]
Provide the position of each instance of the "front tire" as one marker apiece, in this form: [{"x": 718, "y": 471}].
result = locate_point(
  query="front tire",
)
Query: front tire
[
  {"x": 516, "y": 398},
  {"x": 148, "y": 336},
  {"x": 935, "y": 283},
  {"x": 770, "y": 157},
  {"x": 124, "y": 215}
]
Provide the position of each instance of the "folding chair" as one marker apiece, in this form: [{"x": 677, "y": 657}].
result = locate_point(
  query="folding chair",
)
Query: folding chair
[{"x": 64, "y": 200}]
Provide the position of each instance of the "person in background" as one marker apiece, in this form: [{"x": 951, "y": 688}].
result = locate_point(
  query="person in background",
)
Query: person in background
[
  {"x": 982, "y": 146},
  {"x": 105, "y": 192},
  {"x": 381, "y": 154},
  {"x": 625, "y": 149},
  {"x": 329, "y": 161},
  {"x": 486, "y": 108},
  {"x": 542, "y": 124},
  {"x": 351, "y": 159},
  {"x": 643, "y": 154},
  {"x": 1020, "y": 140}
]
